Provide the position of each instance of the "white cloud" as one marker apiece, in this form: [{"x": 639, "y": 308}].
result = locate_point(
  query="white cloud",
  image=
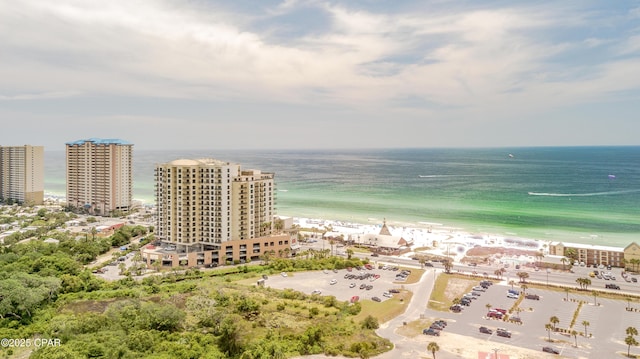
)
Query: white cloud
[{"x": 499, "y": 59}]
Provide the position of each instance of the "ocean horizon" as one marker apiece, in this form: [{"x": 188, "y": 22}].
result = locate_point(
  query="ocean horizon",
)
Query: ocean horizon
[{"x": 585, "y": 195}]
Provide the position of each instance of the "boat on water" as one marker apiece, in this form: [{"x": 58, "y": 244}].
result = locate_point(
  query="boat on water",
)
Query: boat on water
[{"x": 511, "y": 155}]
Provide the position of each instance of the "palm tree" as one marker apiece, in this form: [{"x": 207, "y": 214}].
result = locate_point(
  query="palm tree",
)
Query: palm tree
[
  {"x": 566, "y": 290},
  {"x": 433, "y": 347},
  {"x": 548, "y": 327},
  {"x": 629, "y": 303},
  {"x": 523, "y": 276},
  {"x": 554, "y": 320},
  {"x": 631, "y": 331},
  {"x": 630, "y": 340},
  {"x": 564, "y": 261},
  {"x": 498, "y": 273},
  {"x": 488, "y": 305},
  {"x": 447, "y": 266},
  {"x": 595, "y": 295},
  {"x": 349, "y": 253},
  {"x": 586, "y": 324},
  {"x": 512, "y": 283},
  {"x": 524, "y": 288},
  {"x": 575, "y": 336}
]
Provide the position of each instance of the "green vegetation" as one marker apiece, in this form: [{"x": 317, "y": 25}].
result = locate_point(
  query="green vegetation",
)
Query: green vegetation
[{"x": 46, "y": 292}]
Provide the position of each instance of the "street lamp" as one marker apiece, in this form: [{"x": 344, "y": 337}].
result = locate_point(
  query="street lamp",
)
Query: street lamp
[
  {"x": 496, "y": 353},
  {"x": 547, "y": 277}
]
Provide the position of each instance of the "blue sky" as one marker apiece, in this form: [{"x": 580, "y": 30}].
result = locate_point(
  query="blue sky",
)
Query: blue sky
[{"x": 320, "y": 74}]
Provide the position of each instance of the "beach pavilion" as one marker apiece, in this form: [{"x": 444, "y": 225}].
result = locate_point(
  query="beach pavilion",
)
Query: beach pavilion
[{"x": 386, "y": 243}]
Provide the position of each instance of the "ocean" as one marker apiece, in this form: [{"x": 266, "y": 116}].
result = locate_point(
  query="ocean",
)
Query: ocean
[{"x": 575, "y": 194}]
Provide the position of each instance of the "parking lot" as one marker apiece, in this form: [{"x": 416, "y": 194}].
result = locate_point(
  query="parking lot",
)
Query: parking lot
[
  {"x": 343, "y": 289},
  {"x": 607, "y": 321}
]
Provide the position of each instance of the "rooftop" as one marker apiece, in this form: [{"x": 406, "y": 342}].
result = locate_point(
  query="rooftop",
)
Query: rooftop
[{"x": 99, "y": 141}]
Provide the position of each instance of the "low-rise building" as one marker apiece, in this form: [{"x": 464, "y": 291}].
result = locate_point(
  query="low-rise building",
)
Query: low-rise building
[{"x": 589, "y": 254}]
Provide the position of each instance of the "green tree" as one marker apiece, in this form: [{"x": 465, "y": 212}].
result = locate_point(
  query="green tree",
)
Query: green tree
[
  {"x": 523, "y": 276},
  {"x": 574, "y": 333},
  {"x": 554, "y": 320},
  {"x": 433, "y": 347},
  {"x": 229, "y": 340},
  {"x": 370, "y": 322},
  {"x": 349, "y": 252}
]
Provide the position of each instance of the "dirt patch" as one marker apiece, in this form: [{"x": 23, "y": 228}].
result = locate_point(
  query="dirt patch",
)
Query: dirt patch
[{"x": 456, "y": 287}]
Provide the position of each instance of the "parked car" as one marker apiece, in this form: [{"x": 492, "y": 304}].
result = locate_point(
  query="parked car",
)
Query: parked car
[
  {"x": 352, "y": 285},
  {"x": 431, "y": 331},
  {"x": 376, "y": 299},
  {"x": 485, "y": 330},
  {"x": 494, "y": 314},
  {"x": 317, "y": 291},
  {"x": 550, "y": 350},
  {"x": 612, "y": 286},
  {"x": 515, "y": 320},
  {"x": 512, "y": 296},
  {"x": 387, "y": 294},
  {"x": 456, "y": 308},
  {"x": 284, "y": 274},
  {"x": 333, "y": 281},
  {"x": 532, "y": 296},
  {"x": 501, "y": 332},
  {"x": 441, "y": 322},
  {"x": 428, "y": 264},
  {"x": 501, "y": 310},
  {"x": 634, "y": 280},
  {"x": 355, "y": 298},
  {"x": 394, "y": 290}
]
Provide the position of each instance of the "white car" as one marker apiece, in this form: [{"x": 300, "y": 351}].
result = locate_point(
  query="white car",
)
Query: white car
[
  {"x": 284, "y": 274},
  {"x": 512, "y": 296},
  {"x": 352, "y": 285},
  {"x": 387, "y": 294},
  {"x": 333, "y": 281},
  {"x": 317, "y": 291}
]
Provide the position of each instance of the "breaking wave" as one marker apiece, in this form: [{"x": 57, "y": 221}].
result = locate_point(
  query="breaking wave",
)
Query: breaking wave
[{"x": 609, "y": 193}]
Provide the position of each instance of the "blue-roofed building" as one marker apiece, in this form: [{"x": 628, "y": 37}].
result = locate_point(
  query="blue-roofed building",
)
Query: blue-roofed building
[{"x": 99, "y": 175}]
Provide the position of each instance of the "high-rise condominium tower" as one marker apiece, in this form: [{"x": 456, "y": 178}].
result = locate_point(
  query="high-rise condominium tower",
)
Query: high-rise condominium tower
[
  {"x": 99, "y": 175},
  {"x": 22, "y": 174},
  {"x": 203, "y": 203}
]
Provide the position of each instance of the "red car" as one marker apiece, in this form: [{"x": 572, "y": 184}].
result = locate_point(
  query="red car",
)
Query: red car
[{"x": 355, "y": 298}]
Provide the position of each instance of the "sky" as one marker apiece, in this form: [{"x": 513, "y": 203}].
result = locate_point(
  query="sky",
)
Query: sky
[{"x": 203, "y": 74}]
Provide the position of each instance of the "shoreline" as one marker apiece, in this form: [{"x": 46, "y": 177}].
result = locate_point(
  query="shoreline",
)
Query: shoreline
[{"x": 416, "y": 229}]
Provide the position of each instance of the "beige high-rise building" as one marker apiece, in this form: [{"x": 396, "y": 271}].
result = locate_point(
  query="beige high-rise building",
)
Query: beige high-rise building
[
  {"x": 216, "y": 209},
  {"x": 22, "y": 174},
  {"x": 99, "y": 175}
]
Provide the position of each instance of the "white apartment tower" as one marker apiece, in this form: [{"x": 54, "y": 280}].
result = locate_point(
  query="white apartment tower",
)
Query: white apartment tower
[
  {"x": 22, "y": 174},
  {"x": 205, "y": 202},
  {"x": 99, "y": 175}
]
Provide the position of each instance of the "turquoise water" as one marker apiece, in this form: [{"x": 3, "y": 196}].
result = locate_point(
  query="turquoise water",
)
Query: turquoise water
[{"x": 585, "y": 194}]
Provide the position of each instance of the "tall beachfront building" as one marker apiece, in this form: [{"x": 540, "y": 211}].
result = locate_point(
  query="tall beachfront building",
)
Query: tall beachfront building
[
  {"x": 99, "y": 175},
  {"x": 211, "y": 212},
  {"x": 22, "y": 174}
]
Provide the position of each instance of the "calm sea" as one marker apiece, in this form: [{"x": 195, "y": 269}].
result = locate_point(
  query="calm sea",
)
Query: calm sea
[{"x": 578, "y": 194}]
